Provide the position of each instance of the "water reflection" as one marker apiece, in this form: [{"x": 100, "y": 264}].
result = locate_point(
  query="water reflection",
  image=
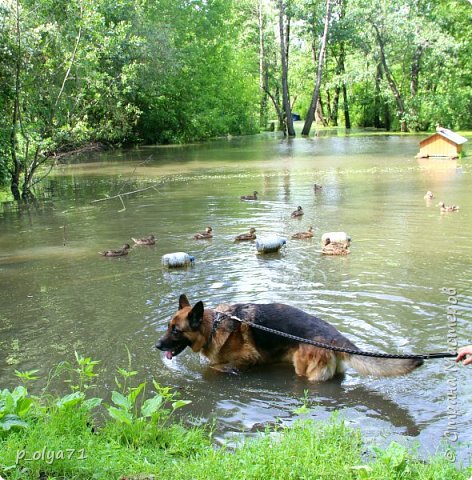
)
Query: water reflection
[{"x": 278, "y": 399}]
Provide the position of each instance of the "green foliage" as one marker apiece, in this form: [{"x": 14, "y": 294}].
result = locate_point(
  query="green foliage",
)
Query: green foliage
[
  {"x": 137, "y": 418},
  {"x": 85, "y": 371},
  {"x": 14, "y": 407},
  {"x": 28, "y": 376},
  {"x": 209, "y": 87}
]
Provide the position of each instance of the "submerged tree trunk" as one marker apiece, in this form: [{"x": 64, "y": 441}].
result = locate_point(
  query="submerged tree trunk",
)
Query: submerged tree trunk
[
  {"x": 278, "y": 109},
  {"x": 333, "y": 114},
  {"x": 391, "y": 82},
  {"x": 316, "y": 92},
  {"x": 283, "y": 54},
  {"x": 347, "y": 118},
  {"x": 329, "y": 111},
  {"x": 319, "y": 112},
  {"x": 340, "y": 70},
  {"x": 387, "y": 117}
]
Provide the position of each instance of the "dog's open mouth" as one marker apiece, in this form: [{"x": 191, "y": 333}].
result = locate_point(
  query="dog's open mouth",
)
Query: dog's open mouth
[{"x": 171, "y": 352}]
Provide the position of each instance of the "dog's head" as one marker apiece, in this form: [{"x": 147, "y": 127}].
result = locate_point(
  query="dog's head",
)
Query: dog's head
[{"x": 183, "y": 330}]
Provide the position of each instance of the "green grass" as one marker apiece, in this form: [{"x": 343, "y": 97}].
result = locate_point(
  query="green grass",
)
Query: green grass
[
  {"x": 134, "y": 437},
  {"x": 308, "y": 450}
]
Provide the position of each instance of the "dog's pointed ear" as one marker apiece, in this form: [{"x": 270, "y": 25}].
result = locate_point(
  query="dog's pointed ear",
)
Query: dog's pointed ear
[
  {"x": 195, "y": 316},
  {"x": 183, "y": 301}
]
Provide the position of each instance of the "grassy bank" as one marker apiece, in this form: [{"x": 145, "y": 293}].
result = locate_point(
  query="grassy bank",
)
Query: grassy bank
[{"x": 134, "y": 437}]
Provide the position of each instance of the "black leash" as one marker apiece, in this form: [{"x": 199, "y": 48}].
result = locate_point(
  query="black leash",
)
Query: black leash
[{"x": 427, "y": 356}]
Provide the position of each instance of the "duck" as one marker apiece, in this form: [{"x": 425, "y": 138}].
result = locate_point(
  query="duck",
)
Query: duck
[
  {"x": 307, "y": 234},
  {"x": 150, "y": 240},
  {"x": 335, "y": 248},
  {"x": 298, "y": 212},
  {"x": 317, "y": 187},
  {"x": 249, "y": 197},
  {"x": 428, "y": 195},
  {"x": 202, "y": 235},
  {"x": 246, "y": 236},
  {"x": 117, "y": 253},
  {"x": 447, "y": 208}
]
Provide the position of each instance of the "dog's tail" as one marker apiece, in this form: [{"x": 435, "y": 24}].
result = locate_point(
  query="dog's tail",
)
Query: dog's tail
[{"x": 382, "y": 367}]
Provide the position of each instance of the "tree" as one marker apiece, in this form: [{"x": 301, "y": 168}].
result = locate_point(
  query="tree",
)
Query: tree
[
  {"x": 263, "y": 73},
  {"x": 31, "y": 127},
  {"x": 339, "y": 36},
  {"x": 316, "y": 92},
  {"x": 57, "y": 85},
  {"x": 284, "y": 36},
  {"x": 208, "y": 82}
]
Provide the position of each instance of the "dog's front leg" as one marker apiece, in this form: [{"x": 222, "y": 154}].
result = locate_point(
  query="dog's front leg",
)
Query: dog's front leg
[{"x": 225, "y": 368}]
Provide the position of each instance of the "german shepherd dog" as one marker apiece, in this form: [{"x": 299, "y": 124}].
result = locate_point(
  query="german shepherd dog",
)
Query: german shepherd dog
[{"x": 231, "y": 345}]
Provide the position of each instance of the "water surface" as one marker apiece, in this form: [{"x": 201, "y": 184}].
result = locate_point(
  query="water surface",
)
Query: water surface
[{"x": 60, "y": 296}]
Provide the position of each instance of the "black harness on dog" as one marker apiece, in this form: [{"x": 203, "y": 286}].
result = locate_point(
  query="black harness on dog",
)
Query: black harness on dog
[
  {"x": 235, "y": 320},
  {"x": 217, "y": 320}
]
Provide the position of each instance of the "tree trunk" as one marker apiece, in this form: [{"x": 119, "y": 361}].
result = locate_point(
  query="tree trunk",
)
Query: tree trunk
[
  {"x": 414, "y": 81},
  {"x": 347, "y": 118},
  {"x": 377, "y": 97},
  {"x": 280, "y": 114},
  {"x": 333, "y": 118},
  {"x": 316, "y": 92},
  {"x": 391, "y": 81},
  {"x": 319, "y": 113},
  {"x": 387, "y": 117},
  {"x": 415, "y": 70},
  {"x": 263, "y": 76},
  {"x": 283, "y": 54},
  {"x": 15, "y": 172},
  {"x": 342, "y": 70},
  {"x": 329, "y": 111}
]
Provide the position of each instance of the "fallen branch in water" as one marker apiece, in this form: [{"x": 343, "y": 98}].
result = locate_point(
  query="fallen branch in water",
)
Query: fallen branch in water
[{"x": 123, "y": 194}]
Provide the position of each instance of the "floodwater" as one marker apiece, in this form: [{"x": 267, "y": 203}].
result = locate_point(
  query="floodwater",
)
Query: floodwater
[{"x": 405, "y": 287}]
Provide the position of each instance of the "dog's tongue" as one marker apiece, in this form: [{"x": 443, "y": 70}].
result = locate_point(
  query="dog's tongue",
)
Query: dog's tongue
[{"x": 169, "y": 355}]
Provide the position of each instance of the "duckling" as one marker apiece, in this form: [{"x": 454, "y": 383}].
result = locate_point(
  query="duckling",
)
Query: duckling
[
  {"x": 447, "y": 208},
  {"x": 317, "y": 187},
  {"x": 298, "y": 212},
  {"x": 428, "y": 195},
  {"x": 307, "y": 234},
  {"x": 202, "y": 235},
  {"x": 117, "y": 253},
  {"x": 335, "y": 248},
  {"x": 246, "y": 236},
  {"x": 249, "y": 197},
  {"x": 335, "y": 237},
  {"x": 150, "y": 240}
]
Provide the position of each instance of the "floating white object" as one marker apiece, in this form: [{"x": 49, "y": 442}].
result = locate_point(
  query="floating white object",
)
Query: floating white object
[
  {"x": 270, "y": 244},
  {"x": 335, "y": 237},
  {"x": 177, "y": 259}
]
